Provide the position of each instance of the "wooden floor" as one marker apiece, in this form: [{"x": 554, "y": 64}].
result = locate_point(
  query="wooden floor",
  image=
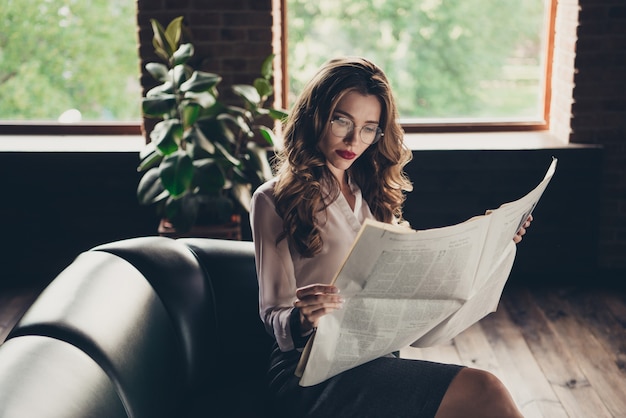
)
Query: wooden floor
[{"x": 561, "y": 352}]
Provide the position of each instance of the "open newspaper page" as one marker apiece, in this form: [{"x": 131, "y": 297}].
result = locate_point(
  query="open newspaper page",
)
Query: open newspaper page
[{"x": 404, "y": 287}]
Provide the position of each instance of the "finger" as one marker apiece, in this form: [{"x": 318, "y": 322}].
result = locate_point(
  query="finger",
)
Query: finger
[
  {"x": 315, "y": 289},
  {"x": 312, "y": 311},
  {"x": 316, "y": 301},
  {"x": 311, "y": 315}
]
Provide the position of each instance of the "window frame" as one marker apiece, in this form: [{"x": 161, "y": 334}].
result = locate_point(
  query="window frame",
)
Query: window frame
[
  {"x": 83, "y": 128},
  {"x": 456, "y": 126},
  {"x": 16, "y": 127}
]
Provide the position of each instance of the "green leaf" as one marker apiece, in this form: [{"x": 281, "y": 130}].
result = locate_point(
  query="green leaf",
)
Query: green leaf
[
  {"x": 221, "y": 132},
  {"x": 239, "y": 121},
  {"x": 180, "y": 75},
  {"x": 226, "y": 154},
  {"x": 278, "y": 114},
  {"x": 201, "y": 81},
  {"x": 149, "y": 157},
  {"x": 267, "y": 69},
  {"x": 159, "y": 41},
  {"x": 204, "y": 99},
  {"x": 182, "y": 54},
  {"x": 268, "y": 135},
  {"x": 173, "y": 33},
  {"x": 176, "y": 173},
  {"x": 264, "y": 88},
  {"x": 248, "y": 93},
  {"x": 198, "y": 138},
  {"x": 150, "y": 189},
  {"x": 209, "y": 176},
  {"x": 162, "y": 89},
  {"x": 190, "y": 114},
  {"x": 158, "y": 106},
  {"x": 167, "y": 135},
  {"x": 157, "y": 70}
]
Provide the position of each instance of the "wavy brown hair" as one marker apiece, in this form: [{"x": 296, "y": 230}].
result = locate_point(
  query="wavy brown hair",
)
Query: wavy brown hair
[{"x": 305, "y": 186}]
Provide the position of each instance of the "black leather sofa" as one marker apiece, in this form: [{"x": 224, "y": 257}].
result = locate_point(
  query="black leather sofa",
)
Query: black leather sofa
[{"x": 145, "y": 328}]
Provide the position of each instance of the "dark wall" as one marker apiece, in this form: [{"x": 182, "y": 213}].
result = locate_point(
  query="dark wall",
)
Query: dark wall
[
  {"x": 56, "y": 205},
  {"x": 561, "y": 245}
]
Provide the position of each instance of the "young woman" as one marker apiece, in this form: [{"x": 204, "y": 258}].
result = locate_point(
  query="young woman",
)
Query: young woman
[{"x": 342, "y": 163}]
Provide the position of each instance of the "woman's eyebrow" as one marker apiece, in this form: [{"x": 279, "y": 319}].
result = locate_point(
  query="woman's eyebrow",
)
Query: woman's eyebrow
[{"x": 344, "y": 113}]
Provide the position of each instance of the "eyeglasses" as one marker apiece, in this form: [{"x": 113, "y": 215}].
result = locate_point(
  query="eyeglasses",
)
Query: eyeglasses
[{"x": 342, "y": 127}]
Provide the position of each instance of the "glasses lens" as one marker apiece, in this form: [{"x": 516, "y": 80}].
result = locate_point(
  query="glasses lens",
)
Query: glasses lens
[
  {"x": 370, "y": 134},
  {"x": 341, "y": 127}
]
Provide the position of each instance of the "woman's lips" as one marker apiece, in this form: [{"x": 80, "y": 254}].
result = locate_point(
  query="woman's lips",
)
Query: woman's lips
[{"x": 348, "y": 155}]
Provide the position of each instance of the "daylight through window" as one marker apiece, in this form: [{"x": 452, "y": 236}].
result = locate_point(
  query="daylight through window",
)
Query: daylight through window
[
  {"x": 69, "y": 61},
  {"x": 447, "y": 60}
]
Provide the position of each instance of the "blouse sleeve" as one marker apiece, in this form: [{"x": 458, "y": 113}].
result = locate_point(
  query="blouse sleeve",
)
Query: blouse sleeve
[{"x": 275, "y": 271}]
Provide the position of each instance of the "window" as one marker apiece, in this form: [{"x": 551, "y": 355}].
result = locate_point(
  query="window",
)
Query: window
[
  {"x": 463, "y": 63},
  {"x": 69, "y": 62}
]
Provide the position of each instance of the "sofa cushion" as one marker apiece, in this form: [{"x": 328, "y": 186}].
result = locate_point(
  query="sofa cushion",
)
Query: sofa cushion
[
  {"x": 244, "y": 345},
  {"x": 46, "y": 377},
  {"x": 105, "y": 307},
  {"x": 179, "y": 281}
]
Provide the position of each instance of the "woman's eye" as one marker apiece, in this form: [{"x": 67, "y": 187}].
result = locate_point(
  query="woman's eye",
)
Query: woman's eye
[
  {"x": 343, "y": 122},
  {"x": 370, "y": 129}
]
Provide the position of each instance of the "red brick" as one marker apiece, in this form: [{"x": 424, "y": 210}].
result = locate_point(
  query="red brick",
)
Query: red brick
[
  {"x": 177, "y": 4},
  {"x": 220, "y": 4},
  {"x": 233, "y": 34},
  {"x": 248, "y": 19}
]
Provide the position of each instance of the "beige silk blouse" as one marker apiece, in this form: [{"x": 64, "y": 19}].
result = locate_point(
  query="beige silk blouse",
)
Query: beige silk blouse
[{"x": 281, "y": 270}]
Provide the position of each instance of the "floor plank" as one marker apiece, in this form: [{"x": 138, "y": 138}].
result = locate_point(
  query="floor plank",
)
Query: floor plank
[
  {"x": 596, "y": 361},
  {"x": 556, "y": 360},
  {"x": 521, "y": 372}
]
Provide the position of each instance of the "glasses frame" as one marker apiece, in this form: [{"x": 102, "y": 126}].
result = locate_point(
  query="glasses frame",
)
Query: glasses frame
[{"x": 377, "y": 137}]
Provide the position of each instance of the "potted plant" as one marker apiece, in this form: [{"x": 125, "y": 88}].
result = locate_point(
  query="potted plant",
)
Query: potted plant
[{"x": 205, "y": 157}]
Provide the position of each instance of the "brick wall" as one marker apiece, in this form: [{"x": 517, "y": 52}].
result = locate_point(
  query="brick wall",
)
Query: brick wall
[
  {"x": 599, "y": 114},
  {"x": 231, "y": 37}
]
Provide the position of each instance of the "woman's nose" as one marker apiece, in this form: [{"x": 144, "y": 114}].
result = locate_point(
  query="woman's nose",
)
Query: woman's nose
[{"x": 351, "y": 137}]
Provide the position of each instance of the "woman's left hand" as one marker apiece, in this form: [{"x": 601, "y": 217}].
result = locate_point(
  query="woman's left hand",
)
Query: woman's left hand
[{"x": 522, "y": 230}]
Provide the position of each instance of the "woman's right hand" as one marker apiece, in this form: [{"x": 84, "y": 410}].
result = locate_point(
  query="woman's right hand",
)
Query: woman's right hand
[{"x": 315, "y": 301}]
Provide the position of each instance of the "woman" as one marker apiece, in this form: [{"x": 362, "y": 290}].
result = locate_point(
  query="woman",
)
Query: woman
[{"x": 343, "y": 163}]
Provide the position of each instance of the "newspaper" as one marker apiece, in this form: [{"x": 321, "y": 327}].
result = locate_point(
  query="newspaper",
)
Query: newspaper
[{"x": 404, "y": 287}]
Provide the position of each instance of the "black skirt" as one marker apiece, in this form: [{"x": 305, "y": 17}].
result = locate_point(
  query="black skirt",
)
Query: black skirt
[{"x": 388, "y": 387}]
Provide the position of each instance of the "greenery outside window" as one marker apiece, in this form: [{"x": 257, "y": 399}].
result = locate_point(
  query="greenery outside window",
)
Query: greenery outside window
[
  {"x": 69, "y": 66},
  {"x": 453, "y": 64}
]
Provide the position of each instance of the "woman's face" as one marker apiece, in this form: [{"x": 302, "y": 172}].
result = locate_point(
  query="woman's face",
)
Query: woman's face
[{"x": 340, "y": 152}]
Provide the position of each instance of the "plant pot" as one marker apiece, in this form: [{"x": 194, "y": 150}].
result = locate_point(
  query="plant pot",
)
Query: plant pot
[{"x": 230, "y": 230}]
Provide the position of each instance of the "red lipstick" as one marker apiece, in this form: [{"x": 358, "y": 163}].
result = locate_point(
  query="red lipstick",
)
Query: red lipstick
[{"x": 345, "y": 154}]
